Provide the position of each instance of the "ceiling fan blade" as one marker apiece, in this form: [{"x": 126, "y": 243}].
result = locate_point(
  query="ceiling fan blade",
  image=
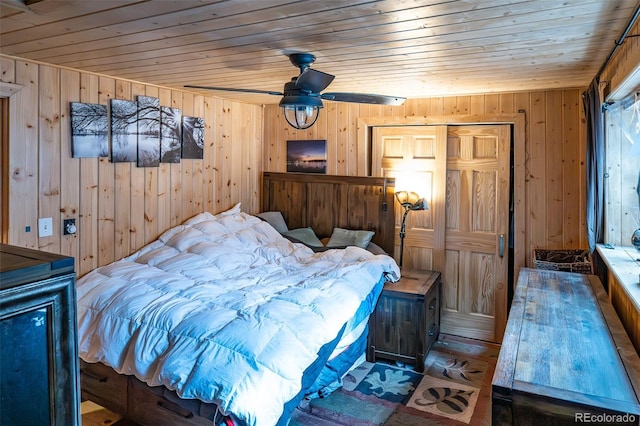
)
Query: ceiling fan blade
[
  {"x": 313, "y": 80},
  {"x": 228, "y": 89},
  {"x": 363, "y": 98}
]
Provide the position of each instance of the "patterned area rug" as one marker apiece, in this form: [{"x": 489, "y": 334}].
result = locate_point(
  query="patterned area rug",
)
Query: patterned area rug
[{"x": 455, "y": 389}]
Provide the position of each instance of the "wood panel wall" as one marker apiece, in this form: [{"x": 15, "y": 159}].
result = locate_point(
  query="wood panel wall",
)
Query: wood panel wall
[
  {"x": 554, "y": 161},
  {"x": 118, "y": 207}
]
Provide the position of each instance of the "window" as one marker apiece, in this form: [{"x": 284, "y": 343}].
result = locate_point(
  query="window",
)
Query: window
[{"x": 622, "y": 178}]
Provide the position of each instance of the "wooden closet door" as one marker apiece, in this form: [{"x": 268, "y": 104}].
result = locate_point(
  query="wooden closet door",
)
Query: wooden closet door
[
  {"x": 467, "y": 174},
  {"x": 476, "y": 240},
  {"x": 420, "y": 151}
]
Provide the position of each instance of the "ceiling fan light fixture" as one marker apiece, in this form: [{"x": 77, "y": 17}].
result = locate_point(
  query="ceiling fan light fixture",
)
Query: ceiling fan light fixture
[
  {"x": 302, "y": 97},
  {"x": 301, "y": 112}
]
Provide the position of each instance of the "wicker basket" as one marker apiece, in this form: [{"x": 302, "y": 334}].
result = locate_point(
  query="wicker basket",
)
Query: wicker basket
[{"x": 563, "y": 260}]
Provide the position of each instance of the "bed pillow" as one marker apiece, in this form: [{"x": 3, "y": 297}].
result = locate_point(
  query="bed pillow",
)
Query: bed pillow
[
  {"x": 231, "y": 212},
  {"x": 305, "y": 235},
  {"x": 376, "y": 249},
  {"x": 347, "y": 237},
  {"x": 274, "y": 219}
]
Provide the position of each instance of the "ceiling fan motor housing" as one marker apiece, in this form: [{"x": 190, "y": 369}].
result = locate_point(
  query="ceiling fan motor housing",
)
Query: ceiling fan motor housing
[
  {"x": 302, "y": 60},
  {"x": 301, "y": 108},
  {"x": 293, "y": 95}
]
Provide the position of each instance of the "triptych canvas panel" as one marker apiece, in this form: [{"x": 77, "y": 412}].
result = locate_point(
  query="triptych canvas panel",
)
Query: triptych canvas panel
[{"x": 140, "y": 131}]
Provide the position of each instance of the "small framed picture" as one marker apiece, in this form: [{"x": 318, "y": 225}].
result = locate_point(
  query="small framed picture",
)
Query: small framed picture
[{"x": 307, "y": 156}]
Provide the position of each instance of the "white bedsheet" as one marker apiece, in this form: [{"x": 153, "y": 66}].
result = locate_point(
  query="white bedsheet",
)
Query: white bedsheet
[{"x": 223, "y": 309}]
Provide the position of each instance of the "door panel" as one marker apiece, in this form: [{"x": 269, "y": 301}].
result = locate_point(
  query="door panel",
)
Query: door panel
[
  {"x": 477, "y": 214},
  {"x": 423, "y": 149},
  {"x": 465, "y": 170}
]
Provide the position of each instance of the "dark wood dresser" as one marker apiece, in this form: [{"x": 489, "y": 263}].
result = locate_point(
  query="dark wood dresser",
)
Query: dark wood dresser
[
  {"x": 565, "y": 358},
  {"x": 39, "y": 369},
  {"x": 406, "y": 321}
]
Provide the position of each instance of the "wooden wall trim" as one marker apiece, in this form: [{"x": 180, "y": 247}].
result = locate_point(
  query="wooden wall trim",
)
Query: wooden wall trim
[
  {"x": 310, "y": 177},
  {"x": 4, "y": 167},
  {"x": 8, "y": 89},
  {"x": 517, "y": 120}
]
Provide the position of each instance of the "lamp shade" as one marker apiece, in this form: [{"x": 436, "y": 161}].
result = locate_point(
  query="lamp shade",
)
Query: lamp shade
[
  {"x": 411, "y": 200},
  {"x": 301, "y": 117}
]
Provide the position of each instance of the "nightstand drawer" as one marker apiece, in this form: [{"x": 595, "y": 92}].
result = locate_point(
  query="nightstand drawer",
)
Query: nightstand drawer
[
  {"x": 433, "y": 301},
  {"x": 432, "y": 335},
  {"x": 432, "y": 310}
]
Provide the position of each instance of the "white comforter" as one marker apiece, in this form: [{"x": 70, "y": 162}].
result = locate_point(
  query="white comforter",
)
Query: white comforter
[{"x": 223, "y": 309}]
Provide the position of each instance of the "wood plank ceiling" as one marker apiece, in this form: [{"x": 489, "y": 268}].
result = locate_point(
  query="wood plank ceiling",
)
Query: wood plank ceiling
[{"x": 407, "y": 48}]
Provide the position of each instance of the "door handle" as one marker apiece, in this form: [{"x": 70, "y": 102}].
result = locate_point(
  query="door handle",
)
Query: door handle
[{"x": 501, "y": 248}]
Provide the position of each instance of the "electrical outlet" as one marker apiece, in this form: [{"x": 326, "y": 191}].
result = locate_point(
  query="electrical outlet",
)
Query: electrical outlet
[
  {"x": 69, "y": 227},
  {"x": 45, "y": 227}
]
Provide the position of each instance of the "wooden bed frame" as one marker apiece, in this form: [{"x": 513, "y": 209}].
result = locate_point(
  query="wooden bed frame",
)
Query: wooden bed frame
[{"x": 322, "y": 202}]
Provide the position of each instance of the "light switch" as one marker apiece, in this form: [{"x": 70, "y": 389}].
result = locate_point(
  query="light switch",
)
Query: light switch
[{"x": 45, "y": 227}]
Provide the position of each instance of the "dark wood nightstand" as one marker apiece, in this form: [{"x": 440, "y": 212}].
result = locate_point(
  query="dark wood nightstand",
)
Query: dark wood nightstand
[{"x": 406, "y": 321}]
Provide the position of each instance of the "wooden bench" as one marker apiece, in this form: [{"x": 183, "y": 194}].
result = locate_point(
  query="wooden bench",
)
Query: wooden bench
[{"x": 565, "y": 357}]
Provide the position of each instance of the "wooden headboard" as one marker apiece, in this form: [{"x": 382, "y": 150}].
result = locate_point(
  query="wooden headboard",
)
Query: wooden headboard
[{"x": 324, "y": 202}]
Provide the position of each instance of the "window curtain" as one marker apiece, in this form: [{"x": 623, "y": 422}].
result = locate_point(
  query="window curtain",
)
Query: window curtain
[{"x": 592, "y": 103}]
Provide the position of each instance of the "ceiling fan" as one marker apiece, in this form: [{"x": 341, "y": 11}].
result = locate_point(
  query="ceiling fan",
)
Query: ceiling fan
[{"x": 301, "y": 97}]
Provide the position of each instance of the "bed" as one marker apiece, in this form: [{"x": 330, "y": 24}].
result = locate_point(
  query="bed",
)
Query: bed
[{"x": 224, "y": 319}]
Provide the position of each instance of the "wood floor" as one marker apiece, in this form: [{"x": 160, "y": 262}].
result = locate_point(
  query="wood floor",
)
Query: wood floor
[{"x": 95, "y": 415}]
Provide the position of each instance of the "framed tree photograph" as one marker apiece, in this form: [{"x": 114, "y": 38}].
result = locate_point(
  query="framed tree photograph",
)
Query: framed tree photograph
[
  {"x": 148, "y": 131},
  {"x": 124, "y": 131},
  {"x": 307, "y": 156},
  {"x": 192, "y": 137},
  {"x": 170, "y": 134},
  {"x": 89, "y": 130}
]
